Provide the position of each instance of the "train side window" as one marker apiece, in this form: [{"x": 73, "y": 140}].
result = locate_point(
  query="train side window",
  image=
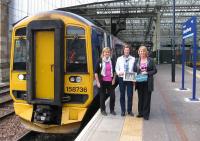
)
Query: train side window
[
  {"x": 97, "y": 45},
  {"x": 76, "y": 51},
  {"x": 19, "y": 62}
]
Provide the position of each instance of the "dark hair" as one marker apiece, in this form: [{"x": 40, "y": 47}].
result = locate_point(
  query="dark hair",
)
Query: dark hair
[{"x": 127, "y": 46}]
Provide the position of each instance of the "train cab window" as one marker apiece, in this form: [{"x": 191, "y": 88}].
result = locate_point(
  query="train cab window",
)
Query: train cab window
[
  {"x": 72, "y": 30},
  {"x": 76, "y": 50},
  {"x": 19, "y": 62}
]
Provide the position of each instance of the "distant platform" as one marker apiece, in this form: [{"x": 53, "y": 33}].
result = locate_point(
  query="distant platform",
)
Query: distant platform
[{"x": 171, "y": 118}]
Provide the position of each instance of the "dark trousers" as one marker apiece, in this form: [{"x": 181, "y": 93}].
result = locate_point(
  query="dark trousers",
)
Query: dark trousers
[
  {"x": 107, "y": 88},
  {"x": 123, "y": 85},
  {"x": 144, "y": 99}
]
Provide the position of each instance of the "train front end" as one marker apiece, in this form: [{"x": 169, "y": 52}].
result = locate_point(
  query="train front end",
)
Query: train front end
[{"x": 50, "y": 77}]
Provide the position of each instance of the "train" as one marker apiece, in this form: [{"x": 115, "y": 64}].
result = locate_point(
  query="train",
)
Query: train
[{"x": 52, "y": 61}]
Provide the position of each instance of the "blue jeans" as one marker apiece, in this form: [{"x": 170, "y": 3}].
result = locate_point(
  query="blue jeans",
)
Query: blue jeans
[{"x": 122, "y": 87}]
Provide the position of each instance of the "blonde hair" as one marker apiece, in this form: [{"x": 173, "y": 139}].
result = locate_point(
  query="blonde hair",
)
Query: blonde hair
[
  {"x": 144, "y": 48},
  {"x": 104, "y": 50}
]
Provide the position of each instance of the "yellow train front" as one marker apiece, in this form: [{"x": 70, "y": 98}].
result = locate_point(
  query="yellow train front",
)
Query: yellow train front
[{"x": 52, "y": 70}]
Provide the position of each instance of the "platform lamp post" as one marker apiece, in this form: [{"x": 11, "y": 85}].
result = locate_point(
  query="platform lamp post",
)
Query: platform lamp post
[
  {"x": 183, "y": 65},
  {"x": 173, "y": 45}
]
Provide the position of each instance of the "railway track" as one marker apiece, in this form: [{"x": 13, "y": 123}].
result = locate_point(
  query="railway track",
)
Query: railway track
[
  {"x": 25, "y": 136},
  {"x": 10, "y": 125},
  {"x": 4, "y": 87},
  {"x": 36, "y": 136},
  {"x": 6, "y": 115},
  {"x": 6, "y": 104},
  {"x": 11, "y": 128},
  {"x": 6, "y": 110},
  {"x": 4, "y": 93}
]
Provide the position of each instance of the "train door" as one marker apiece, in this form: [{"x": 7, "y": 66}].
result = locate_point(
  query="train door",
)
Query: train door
[
  {"x": 45, "y": 62},
  {"x": 44, "y": 65}
]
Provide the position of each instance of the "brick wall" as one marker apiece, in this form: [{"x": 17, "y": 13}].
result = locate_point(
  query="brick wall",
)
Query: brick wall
[{"x": 4, "y": 49}]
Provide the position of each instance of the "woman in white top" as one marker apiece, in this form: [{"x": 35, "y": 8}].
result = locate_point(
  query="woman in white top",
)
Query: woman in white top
[{"x": 125, "y": 64}]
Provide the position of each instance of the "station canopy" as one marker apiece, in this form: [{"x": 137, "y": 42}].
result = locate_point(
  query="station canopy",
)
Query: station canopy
[{"x": 140, "y": 20}]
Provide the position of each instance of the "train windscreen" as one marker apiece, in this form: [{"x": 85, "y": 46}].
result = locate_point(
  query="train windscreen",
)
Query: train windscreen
[
  {"x": 20, "y": 52},
  {"x": 76, "y": 60}
]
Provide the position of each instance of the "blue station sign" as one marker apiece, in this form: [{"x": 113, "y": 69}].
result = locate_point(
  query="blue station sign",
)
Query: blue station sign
[{"x": 189, "y": 27}]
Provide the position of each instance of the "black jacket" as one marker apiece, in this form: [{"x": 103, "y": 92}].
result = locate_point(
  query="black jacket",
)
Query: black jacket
[
  {"x": 99, "y": 68},
  {"x": 151, "y": 70}
]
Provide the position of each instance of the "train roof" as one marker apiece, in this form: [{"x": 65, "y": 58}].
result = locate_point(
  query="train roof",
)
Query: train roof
[
  {"x": 64, "y": 13},
  {"x": 74, "y": 16}
]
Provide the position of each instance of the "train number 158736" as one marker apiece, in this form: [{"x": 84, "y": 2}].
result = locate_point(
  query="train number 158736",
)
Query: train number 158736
[{"x": 76, "y": 89}]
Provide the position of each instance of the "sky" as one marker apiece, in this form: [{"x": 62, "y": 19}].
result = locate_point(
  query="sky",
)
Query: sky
[{"x": 18, "y": 9}]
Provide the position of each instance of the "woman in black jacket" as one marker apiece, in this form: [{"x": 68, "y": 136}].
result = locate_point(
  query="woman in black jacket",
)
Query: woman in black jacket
[
  {"x": 144, "y": 65},
  {"x": 105, "y": 78}
]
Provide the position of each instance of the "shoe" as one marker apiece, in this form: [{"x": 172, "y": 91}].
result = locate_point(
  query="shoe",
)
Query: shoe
[
  {"x": 139, "y": 115},
  {"x": 113, "y": 113},
  {"x": 131, "y": 114},
  {"x": 146, "y": 118},
  {"x": 104, "y": 113},
  {"x": 123, "y": 114}
]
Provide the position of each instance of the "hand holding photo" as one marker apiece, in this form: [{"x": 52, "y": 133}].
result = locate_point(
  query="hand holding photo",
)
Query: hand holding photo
[{"x": 129, "y": 77}]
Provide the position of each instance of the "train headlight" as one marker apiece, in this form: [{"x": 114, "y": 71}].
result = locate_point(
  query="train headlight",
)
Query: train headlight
[
  {"x": 78, "y": 79},
  {"x": 72, "y": 79},
  {"x": 21, "y": 77},
  {"x": 75, "y": 79}
]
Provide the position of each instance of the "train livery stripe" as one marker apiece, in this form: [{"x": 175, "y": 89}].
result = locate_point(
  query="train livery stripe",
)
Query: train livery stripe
[{"x": 132, "y": 130}]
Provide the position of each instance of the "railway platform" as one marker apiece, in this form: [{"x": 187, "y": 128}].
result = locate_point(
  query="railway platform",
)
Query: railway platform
[{"x": 171, "y": 119}]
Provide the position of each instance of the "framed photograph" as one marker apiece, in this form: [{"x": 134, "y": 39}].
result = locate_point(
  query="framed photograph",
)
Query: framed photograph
[{"x": 129, "y": 76}]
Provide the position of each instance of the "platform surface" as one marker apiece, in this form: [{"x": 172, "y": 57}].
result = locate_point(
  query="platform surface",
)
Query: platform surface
[{"x": 171, "y": 119}]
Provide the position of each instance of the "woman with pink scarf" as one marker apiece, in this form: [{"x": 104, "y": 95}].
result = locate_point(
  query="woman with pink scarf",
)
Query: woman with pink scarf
[
  {"x": 144, "y": 65},
  {"x": 105, "y": 78}
]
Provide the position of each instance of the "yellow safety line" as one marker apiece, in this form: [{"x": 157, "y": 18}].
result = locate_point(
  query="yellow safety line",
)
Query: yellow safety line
[
  {"x": 132, "y": 129},
  {"x": 190, "y": 70}
]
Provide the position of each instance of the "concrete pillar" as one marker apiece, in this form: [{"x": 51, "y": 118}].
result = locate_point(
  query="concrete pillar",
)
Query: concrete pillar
[{"x": 4, "y": 49}]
